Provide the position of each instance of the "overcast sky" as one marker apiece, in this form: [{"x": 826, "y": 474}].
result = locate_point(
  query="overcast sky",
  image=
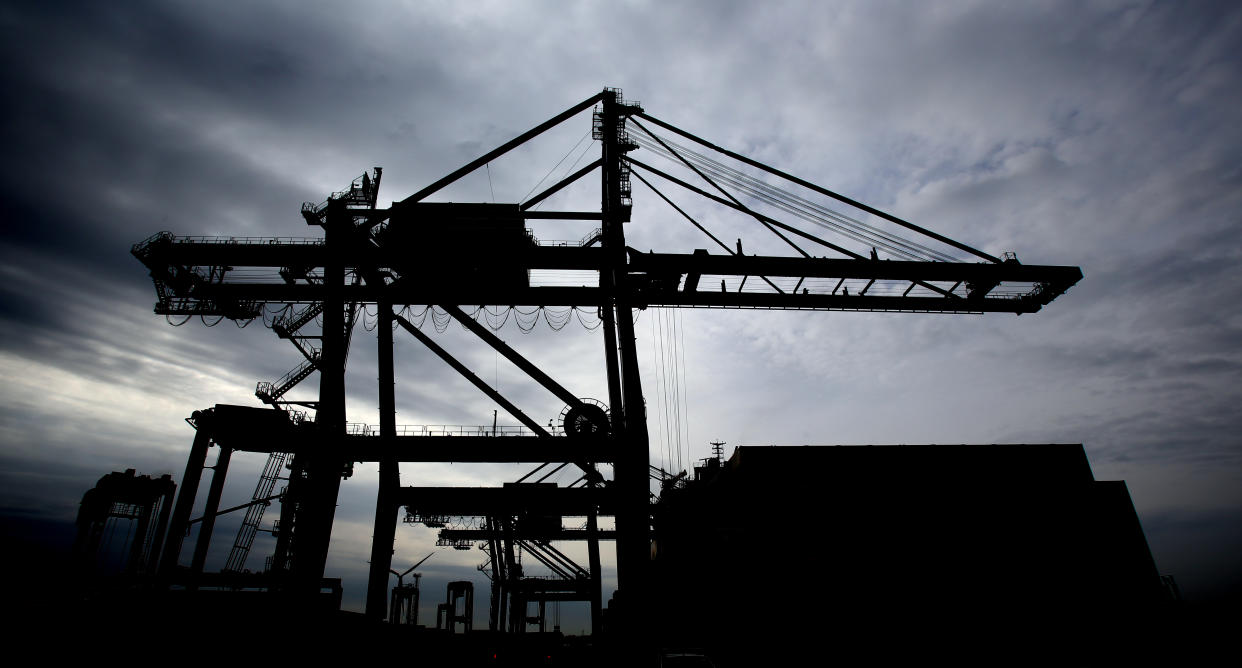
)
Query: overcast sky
[{"x": 1102, "y": 135}]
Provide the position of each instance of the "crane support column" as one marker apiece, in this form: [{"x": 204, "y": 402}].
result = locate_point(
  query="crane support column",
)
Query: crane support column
[
  {"x": 203, "y": 542},
  {"x": 633, "y": 542},
  {"x": 594, "y": 565},
  {"x": 161, "y": 526},
  {"x": 185, "y": 501},
  {"x": 288, "y": 516},
  {"x": 386, "y": 506},
  {"x": 323, "y": 468}
]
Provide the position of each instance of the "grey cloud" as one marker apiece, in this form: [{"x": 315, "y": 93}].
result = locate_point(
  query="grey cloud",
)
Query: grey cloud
[{"x": 1094, "y": 135}]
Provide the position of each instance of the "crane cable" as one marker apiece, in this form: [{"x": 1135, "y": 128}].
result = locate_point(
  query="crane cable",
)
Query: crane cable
[
  {"x": 736, "y": 202},
  {"x": 670, "y": 388},
  {"x": 668, "y": 357},
  {"x": 665, "y": 453},
  {"x": 526, "y": 320},
  {"x": 799, "y": 206},
  {"x": 685, "y": 391},
  {"x": 675, "y": 362},
  {"x": 558, "y": 164},
  {"x": 752, "y": 185},
  {"x": 812, "y": 212}
]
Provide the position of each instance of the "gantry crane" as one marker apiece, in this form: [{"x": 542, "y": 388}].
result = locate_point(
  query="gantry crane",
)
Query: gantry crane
[{"x": 482, "y": 254}]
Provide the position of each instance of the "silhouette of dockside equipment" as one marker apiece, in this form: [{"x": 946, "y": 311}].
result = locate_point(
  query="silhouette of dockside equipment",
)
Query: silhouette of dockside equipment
[
  {"x": 441, "y": 256},
  {"x": 143, "y": 503}
]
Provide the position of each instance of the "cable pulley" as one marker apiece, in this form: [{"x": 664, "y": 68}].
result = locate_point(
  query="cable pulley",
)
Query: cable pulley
[{"x": 587, "y": 419}]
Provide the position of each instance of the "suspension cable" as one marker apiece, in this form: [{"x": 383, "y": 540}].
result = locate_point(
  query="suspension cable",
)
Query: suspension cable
[
  {"x": 694, "y": 222},
  {"x": 724, "y": 192},
  {"x": 558, "y": 164},
  {"x": 796, "y": 204},
  {"x": 823, "y": 191},
  {"x": 685, "y": 391}
]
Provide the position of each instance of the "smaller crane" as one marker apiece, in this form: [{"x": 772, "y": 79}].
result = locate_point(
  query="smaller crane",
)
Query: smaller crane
[{"x": 404, "y": 606}]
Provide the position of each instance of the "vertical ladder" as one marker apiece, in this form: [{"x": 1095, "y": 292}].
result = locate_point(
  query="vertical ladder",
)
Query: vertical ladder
[{"x": 254, "y": 514}]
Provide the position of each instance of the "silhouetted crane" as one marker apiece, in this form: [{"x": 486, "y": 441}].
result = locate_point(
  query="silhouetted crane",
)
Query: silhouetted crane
[{"x": 482, "y": 254}]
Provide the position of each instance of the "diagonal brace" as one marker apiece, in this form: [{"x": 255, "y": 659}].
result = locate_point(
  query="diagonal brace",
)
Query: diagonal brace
[
  {"x": 589, "y": 469},
  {"x": 513, "y": 356},
  {"x": 552, "y": 190},
  {"x": 470, "y": 376},
  {"x": 504, "y": 148}
]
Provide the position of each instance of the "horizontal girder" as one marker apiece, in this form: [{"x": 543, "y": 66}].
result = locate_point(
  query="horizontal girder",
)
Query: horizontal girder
[
  {"x": 561, "y": 534},
  {"x": 588, "y": 296},
  {"x": 655, "y": 279},
  {"x": 446, "y": 449},
  {"x": 905, "y": 270},
  {"x": 250, "y": 429},
  {"x": 508, "y": 500}
]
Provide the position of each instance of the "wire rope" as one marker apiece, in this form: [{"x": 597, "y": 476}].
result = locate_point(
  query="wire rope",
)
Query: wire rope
[
  {"x": 685, "y": 392},
  {"x": 655, "y": 363},
  {"x": 672, "y": 396},
  {"x": 558, "y": 164},
  {"x": 495, "y": 318},
  {"x": 682, "y": 445},
  {"x": 440, "y": 320},
  {"x": 577, "y": 160},
  {"x": 589, "y": 328},
  {"x": 797, "y": 205},
  {"x": 756, "y": 193},
  {"x": 669, "y": 417},
  {"x": 816, "y": 210}
]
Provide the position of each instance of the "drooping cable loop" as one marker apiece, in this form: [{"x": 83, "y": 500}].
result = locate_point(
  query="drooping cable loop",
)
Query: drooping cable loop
[
  {"x": 589, "y": 327},
  {"x": 496, "y": 317},
  {"x": 497, "y": 320},
  {"x": 440, "y": 320},
  {"x": 526, "y": 320},
  {"x": 556, "y": 319}
]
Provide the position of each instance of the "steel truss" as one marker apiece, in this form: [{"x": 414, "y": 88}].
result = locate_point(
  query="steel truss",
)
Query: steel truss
[{"x": 484, "y": 255}]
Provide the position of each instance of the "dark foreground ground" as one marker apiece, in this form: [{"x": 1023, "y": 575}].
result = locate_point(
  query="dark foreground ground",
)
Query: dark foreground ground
[
  {"x": 160, "y": 630},
  {"x": 58, "y": 615}
]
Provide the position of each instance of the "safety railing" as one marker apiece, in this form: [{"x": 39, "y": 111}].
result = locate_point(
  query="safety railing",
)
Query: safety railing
[
  {"x": 272, "y": 241},
  {"x": 361, "y": 429}
]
